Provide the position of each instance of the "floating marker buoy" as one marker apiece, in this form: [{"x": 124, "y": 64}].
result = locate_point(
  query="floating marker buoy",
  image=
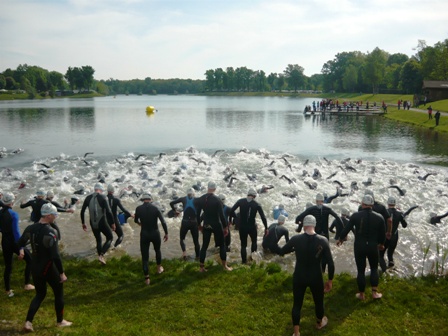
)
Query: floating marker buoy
[{"x": 150, "y": 109}]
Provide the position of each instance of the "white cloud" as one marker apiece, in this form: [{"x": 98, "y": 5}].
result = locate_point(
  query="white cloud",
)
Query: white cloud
[{"x": 166, "y": 39}]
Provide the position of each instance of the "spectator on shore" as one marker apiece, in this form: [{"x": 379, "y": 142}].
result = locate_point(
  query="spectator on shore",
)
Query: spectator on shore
[
  {"x": 430, "y": 112},
  {"x": 437, "y": 117}
]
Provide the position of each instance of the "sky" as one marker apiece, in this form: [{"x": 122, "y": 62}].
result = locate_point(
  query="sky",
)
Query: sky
[{"x": 163, "y": 39}]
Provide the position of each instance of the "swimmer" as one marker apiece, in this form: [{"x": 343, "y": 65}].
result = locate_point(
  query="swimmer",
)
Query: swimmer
[
  {"x": 279, "y": 210},
  {"x": 214, "y": 222},
  {"x": 147, "y": 215},
  {"x": 310, "y": 249},
  {"x": 46, "y": 265},
  {"x": 434, "y": 219},
  {"x": 36, "y": 204},
  {"x": 391, "y": 244},
  {"x": 370, "y": 235},
  {"x": 9, "y": 227},
  {"x": 321, "y": 213},
  {"x": 115, "y": 204},
  {"x": 189, "y": 222},
  {"x": 402, "y": 192},
  {"x": 276, "y": 232},
  {"x": 101, "y": 220},
  {"x": 248, "y": 226}
]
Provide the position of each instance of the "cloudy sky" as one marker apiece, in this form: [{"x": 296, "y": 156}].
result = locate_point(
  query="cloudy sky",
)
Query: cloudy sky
[{"x": 128, "y": 39}]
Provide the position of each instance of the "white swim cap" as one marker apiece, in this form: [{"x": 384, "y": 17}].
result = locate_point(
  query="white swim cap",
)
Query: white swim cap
[
  {"x": 8, "y": 198},
  {"x": 48, "y": 209},
  {"x": 367, "y": 200},
  {"x": 309, "y": 221}
]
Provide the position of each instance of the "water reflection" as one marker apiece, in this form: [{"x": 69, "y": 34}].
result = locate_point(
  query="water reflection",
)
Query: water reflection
[{"x": 82, "y": 118}]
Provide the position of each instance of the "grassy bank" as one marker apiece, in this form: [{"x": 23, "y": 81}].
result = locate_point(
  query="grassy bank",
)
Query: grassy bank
[
  {"x": 15, "y": 96},
  {"x": 419, "y": 119},
  {"x": 256, "y": 300}
]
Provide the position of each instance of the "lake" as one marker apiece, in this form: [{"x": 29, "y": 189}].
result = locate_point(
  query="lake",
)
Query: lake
[{"x": 261, "y": 141}]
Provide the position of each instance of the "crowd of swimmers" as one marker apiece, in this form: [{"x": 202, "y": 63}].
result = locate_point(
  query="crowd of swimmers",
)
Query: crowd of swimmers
[{"x": 375, "y": 228}]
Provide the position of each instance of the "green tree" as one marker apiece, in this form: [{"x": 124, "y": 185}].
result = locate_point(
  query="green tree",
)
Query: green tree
[
  {"x": 411, "y": 77},
  {"x": 11, "y": 83},
  {"x": 397, "y": 58},
  {"x": 260, "y": 80},
  {"x": 210, "y": 79},
  {"x": 280, "y": 81},
  {"x": 375, "y": 67},
  {"x": 2, "y": 82},
  {"x": 229, "y": 79},
  {"x": 294, "y": 75},
  {"x": 87, "y": 74},
  {"x": 350, "y": 78},
  {"x": 218, "y": 78},
  {"x": 271, "y": 80}
]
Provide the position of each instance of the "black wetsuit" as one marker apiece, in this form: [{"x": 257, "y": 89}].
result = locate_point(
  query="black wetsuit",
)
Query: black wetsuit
[
  {"x": 229, "y": 218},
  {"x": 147, "y": 215},
  {"x": 276, "y": 232},
  {"x": 321, "y": 213},
  {"x": 36, "y": 205},
  {"x": 9, "y": 227},
  {"x": 370, "y": 231},
  {"x": 337, "y": 224},
  {"x": 381, "y": 209},
  {"x": 46, "y": 267},
  {"x": 309, "y": 250},
  {"x": 189, "y": 222},
  {"x": 391, "y": 244},
  {"x": 100, "y": 220},
  {"x": 248, "y": 226},
  {"x": 114, "y": 204},
  {"x": 214, "y": 223},
  {"x": 437, "y": 219}
]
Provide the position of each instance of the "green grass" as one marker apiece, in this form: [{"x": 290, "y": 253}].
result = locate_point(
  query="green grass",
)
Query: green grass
[
  {"x": 418, "y": 119},
  {"x": 255, "y": 300}
]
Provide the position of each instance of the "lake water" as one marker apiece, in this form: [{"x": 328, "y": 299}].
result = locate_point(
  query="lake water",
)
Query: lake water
[{"x": 190, "y": 129}]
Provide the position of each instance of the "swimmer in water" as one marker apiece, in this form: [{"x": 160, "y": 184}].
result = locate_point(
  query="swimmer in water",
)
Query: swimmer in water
[{"x": 276, "y": 232}]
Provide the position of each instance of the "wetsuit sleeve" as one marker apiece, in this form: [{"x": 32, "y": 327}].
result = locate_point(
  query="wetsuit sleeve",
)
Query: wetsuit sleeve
[
  {"x": 235, "y": 206},
  {"x": 286, "y": 235},
  {"x": 222, "y": 218},
  {"x": 122, "y": 208},
  {"x": 403, "y": 221},
  {"x": 85, "y": 204},
  {"x": 15, "y": 226},
  {"x": 337, "y": 218},
  {"x": 162, "y": 221},
  {"x": 289, "y": 247},
  {"x": 300, "y": 217},
  {"x": 59, "y": 207},
  {"x": 263, "y": 217},
  {"x": 27, "y": 204},
  {"x": 329, "y": 259},
  {"x": 23, "y": 240},
  {"x": 347, "y": 228},
  {"x": 381, "y": 231},
  {"x": 172, "y": 203},
  {"x": 137, "y": 216}
]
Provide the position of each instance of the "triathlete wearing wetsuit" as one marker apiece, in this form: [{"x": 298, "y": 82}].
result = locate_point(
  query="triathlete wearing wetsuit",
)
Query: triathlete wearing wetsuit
[
  {"x": 214, "y": 223},
  {"x": 321, "y": 213},
  {"x": 36, "y": 205},
  {"x": 9, "y": 227},
  {"x": 146, "y": 215},
  {"x": 46, "y": 267},
  {"x": 309, "y": 250},
  {"x": 391, "y": 244},
  {"x": 370, "y": 231},
  {"x": 248, "y": 226},
  {"x": 189, "y": 222},
  {"x": 114, "y": 204},
  {"x": 100, "y": 215},
  {"x": 276, "y": 232}
]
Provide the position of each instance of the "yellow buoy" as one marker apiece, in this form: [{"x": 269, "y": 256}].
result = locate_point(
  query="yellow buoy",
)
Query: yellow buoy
[{"x": 150, "y": 109}]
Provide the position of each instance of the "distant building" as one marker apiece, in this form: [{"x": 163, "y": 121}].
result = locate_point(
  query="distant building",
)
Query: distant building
[{"x": 435, "y": 90}]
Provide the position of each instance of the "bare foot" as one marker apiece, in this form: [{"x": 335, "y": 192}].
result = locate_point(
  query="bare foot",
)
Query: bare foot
[
  {"x": 360, "y": 296},
  {"x": 160, "y": 269}
]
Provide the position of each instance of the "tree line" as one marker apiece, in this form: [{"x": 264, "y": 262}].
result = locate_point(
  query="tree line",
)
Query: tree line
[{"x": 377, "y": 71}]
